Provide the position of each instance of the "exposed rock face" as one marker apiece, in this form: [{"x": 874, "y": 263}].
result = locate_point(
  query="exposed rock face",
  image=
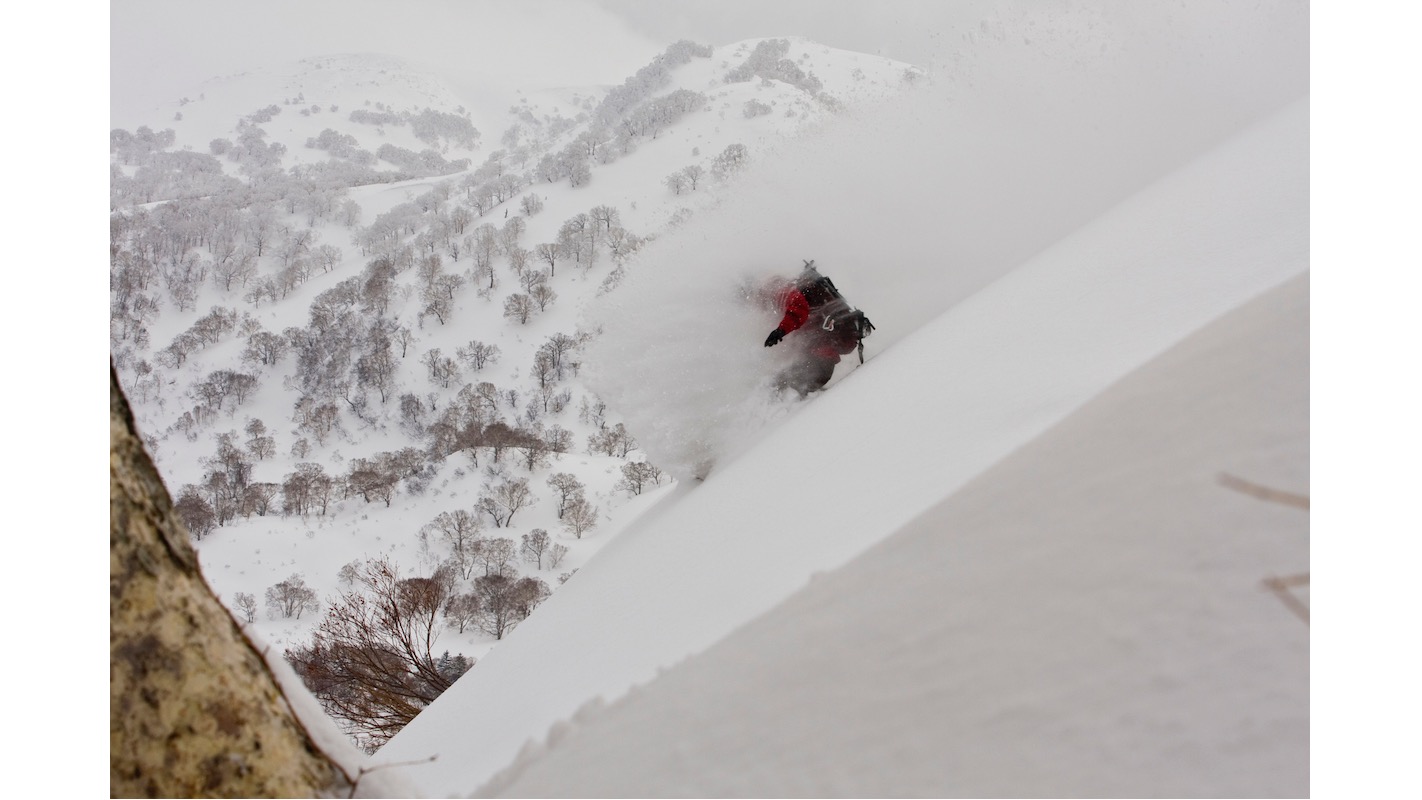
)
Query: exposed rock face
[{"x": 193, "y": 709}]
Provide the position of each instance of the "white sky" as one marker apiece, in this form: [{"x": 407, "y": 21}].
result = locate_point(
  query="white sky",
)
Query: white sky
[
  {"x": 906, "y": 30},
  {"x": 161, "y": 49}
]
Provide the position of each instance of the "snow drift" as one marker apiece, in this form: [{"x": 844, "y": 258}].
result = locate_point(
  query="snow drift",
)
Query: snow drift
[
  {"x": 1135, "y": 282},
  {"x": 1066, "y": 203},
  {"x": 1084, "y": 619}
]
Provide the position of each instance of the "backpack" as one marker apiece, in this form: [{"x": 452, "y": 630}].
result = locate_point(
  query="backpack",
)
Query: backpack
[{"x": 844, "y": 326}]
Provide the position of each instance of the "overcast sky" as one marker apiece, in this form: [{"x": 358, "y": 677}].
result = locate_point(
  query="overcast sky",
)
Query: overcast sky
[
  {"x": 161, "y": 49},
  {"x": 907, "y": 30}
]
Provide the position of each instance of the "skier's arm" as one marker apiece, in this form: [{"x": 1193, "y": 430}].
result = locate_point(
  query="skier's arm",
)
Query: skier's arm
[{"x": 797, "y": 310}]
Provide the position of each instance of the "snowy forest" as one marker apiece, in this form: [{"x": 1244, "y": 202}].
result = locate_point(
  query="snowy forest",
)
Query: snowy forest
[{"x": 312, "y": 330}]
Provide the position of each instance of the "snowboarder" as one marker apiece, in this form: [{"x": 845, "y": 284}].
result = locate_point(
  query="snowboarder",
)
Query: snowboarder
[{"x": 827, "y": 329}]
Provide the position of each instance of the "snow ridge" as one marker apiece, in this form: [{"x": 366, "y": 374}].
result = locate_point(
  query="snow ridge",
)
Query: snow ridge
[{"x": 1140, "y": 279}]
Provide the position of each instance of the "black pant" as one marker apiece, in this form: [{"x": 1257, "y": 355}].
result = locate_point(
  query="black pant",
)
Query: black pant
[{"x": 809, "y": 374}]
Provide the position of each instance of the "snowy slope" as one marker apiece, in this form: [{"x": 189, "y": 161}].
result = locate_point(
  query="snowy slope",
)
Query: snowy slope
[
  {"x": 855, "y": 465},
  {"x": 249, "y": 554},
  {"x": 1084, "y": 619},
  {"x": 1044, "y": 120},
  {"x": 328, "y": 88}
]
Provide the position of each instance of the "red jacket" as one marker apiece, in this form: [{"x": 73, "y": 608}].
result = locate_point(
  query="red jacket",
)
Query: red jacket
[{"x": 797, "y": 311}]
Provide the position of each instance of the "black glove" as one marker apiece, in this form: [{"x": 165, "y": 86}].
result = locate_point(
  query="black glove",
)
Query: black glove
[{"x": 774, "y": 338}]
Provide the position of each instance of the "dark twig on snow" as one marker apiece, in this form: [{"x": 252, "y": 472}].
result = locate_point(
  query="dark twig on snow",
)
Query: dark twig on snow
[{"x": 1281, "y": 587}]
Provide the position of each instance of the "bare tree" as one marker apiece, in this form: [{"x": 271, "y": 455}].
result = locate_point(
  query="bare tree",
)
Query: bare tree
[
  {"x": 246, "y": 605},
  {"x": 542, "y": 296},
  {"x": 504, "y": 500},
  {"x": 495, "y": 554},
  {"x": 557, "y": 438},
  {"x": 404, "y": 337},
  {"x": 550, "y": 252},
  {"x": 377, "y": 368},
  {"x": 519, "y": 307},
  {"x": 238, "y": 265},
  {"x": 506, "y": 601},
  {"x": 676, "y": 182},
  {"x": 531, "y": 593},
  {"x": 566, "y": 488},
  {"x": 442, "y": 369},
  {"x": 257, "y": 498},
  {"x": 428, "y": 270},
  {"x": 327, "y": 257},
  {"x": 560, "y": 348},
  {"x": 460, "y": 217},
  {"x": 412, "y": 413},
  {"x": 605, "y": 217},
  {"x": 437, "y": 306},
  {"x": 307, "y": 489},
  {"x": 693, "y": 175},
  {"x": 498, "y": 437},
  {"x": 576, "y": 166},
  {"x": 637, "y": 475},
  {"x": 460, "y": 530},
  {"x": 580, "y": 517},
  {"x": 320, "y": 419},
  {"x": 349, "y": 213},
  {"x": 533, "y": 451},
  {"x": 544, "y": 372},
  {"x": 371, "y": 661},
  {"x": 534, "y": 545},
  {"x": 731, "y": 160},
  {"x": 372, "y": 479},
  {"x": 349, "y": 573},
  {"x": 497, "y": 610},
  {"x": 510, "y": 234},
  {"x": 594, "y": 413},
  {"x": 260, "y": 445},
  {"x": 622, "y": 242},
  {"x": 195, "y": 511},
  {"x": 518, "y": 259},
  {"x": 485, "y": 247},
  {"x": 462, "y": 610},
  {"x": 448, "y": 285},
  {"x": 290, "y": 598},
  {"x": 529, "y": 278},
  {"x": 614, "y": 441},
  {"x": 478, "y": 354}
]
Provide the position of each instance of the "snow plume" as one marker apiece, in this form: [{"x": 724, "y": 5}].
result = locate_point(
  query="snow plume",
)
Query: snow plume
[
  {"x": 1042, "y": 118},
  {"x": 680, "y": 356}
]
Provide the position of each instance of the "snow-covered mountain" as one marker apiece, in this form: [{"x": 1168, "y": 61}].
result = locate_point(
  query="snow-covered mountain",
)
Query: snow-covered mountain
[
  {"x": 1020, "y": 550},
  {"x": 245, "y": 233}
]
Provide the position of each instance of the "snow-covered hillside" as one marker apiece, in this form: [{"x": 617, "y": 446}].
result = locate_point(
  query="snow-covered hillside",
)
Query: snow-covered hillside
[
  {"x": 859, "y": 464},
  {"x": 1087, "y": 617},
  {"x": 311, "y": 95},
  {"x": 257, "y": 265},
  {"x": 969, "y": 567}
]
